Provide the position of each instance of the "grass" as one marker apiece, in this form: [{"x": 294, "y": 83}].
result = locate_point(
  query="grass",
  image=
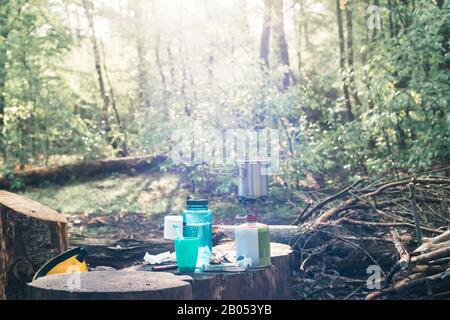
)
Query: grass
[
  {"x": 117, "y": 193},
  {"x": 153, "y": 195}
]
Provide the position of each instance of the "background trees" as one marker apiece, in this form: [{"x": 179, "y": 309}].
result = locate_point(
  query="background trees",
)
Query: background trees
[{"x": 82, "y": 79}]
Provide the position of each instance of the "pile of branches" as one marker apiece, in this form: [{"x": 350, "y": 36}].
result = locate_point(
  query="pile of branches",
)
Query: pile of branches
[
  {"x": 386, "y": 240},
  {"x": 425, "y": 275}
]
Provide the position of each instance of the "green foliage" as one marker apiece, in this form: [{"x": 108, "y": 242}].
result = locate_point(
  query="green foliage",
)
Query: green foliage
[
  {"x": 54, "y": 113},
  {"x": 16, "y": 184}
]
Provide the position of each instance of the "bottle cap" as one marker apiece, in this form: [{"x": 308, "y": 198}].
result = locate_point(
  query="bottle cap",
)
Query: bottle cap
[{"x": 196, "y": 202}]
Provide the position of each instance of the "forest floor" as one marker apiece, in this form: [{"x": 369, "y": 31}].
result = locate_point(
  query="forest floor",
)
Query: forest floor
[{"x": 122, "y": 206}]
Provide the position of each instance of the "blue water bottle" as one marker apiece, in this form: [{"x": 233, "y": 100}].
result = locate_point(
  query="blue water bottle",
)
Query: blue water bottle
[{"x": 197, "y": 222}]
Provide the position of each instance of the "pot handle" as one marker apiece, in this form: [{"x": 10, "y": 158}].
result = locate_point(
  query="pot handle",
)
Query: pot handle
[
  {"x": 265, "y": 167},
  {"x": 242, "y": 172}
]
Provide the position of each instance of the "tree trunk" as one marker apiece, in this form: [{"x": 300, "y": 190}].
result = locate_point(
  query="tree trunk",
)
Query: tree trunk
[
  {"x": 158, "y": 62},
  {"x": 351, "y": 56},
  {"x": 392, "y": 24},
  {"x": 123, "y": 152},
  {"x": 346, "y": 90},
  {"x": 138, "y": 7},
  {"x": 89, "y": 8},
  {"x": 158, "y": 47},
  {"x": 375, "y": 30},
  {"x": 30, "y": 235},
  {"x": 3, "y": 57},
  {"x": 2, "y": 91},
  {"x": 298, "y": 21},
  {"x": 278, "y": 28},
  {"x": 210, "y": 60},
  {"x": 187, "y": 105},
  {"x": 265, "y": 36},
  {"x": 171, "y": 65}
]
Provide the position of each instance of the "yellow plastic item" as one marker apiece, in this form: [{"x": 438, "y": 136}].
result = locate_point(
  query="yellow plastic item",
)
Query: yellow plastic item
[{"x": 71, "y": 261}]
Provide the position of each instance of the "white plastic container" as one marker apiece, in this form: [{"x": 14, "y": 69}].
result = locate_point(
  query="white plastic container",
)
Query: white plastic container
[
  {"x": 169, "y": 232},
  {"x": 253, "y": 241}
]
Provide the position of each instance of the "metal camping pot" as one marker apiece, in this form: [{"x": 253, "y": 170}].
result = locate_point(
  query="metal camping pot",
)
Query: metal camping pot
[{"x": 253, "y": 179}]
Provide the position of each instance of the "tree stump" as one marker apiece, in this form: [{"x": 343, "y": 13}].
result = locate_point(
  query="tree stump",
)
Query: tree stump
[
  {"x": 30, "y": 235},
  {"x": 111, "y": 285},
  {"x": 269, "y": 283}
]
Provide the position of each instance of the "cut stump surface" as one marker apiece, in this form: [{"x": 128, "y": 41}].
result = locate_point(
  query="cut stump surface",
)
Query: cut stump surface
[{"x": 111, "y": 285}]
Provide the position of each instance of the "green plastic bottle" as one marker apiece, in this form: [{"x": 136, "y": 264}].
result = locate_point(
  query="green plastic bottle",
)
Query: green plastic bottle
[
  {"x": 253, "y": 241},
  {"x": 197, "y": 223}
]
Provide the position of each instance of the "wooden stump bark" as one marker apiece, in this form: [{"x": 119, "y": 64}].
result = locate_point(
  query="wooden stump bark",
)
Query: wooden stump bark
[
  {"x": 30, "y": 235},
  {"x": 269, "y": 283},
  {"x": 111, "y": 285}
]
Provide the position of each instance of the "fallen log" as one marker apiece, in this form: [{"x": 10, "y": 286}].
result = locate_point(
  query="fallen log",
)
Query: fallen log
[
  {"x": 433, "y": 255},
  {"x": 30, "y": 235},
  {"x": 63, "y": 173},
  {"x": 430, "y": 269},
  {"x": 278, "y": 233},
  {"x": 428, "y": 243}
]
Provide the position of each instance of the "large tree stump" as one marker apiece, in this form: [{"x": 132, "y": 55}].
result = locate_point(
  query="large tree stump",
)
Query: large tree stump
[
  {"x": 30, "y": 235},
  {"x": 111, "y": 285},
  {"x": 269, "y": 283}
]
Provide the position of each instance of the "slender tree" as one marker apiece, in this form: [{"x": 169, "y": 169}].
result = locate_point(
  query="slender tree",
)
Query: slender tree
[
  {"x": 89, "y": 8},
  {"x": 278, "y": 28},
  {"x": 170, "y": 59},
  {"x": 3, "y": 57},
  {"x": 210, "y": 59},
  {"x": 351, "y": 55},
  {"x": 158, "y": 47},
  {"x": 298, "y": 21},
  {"x": 123, "y": 144},
  {"x": 138, "y": 8},
  {"x": 342, "y": 59},
  {"x": 265, "y": 36}
]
